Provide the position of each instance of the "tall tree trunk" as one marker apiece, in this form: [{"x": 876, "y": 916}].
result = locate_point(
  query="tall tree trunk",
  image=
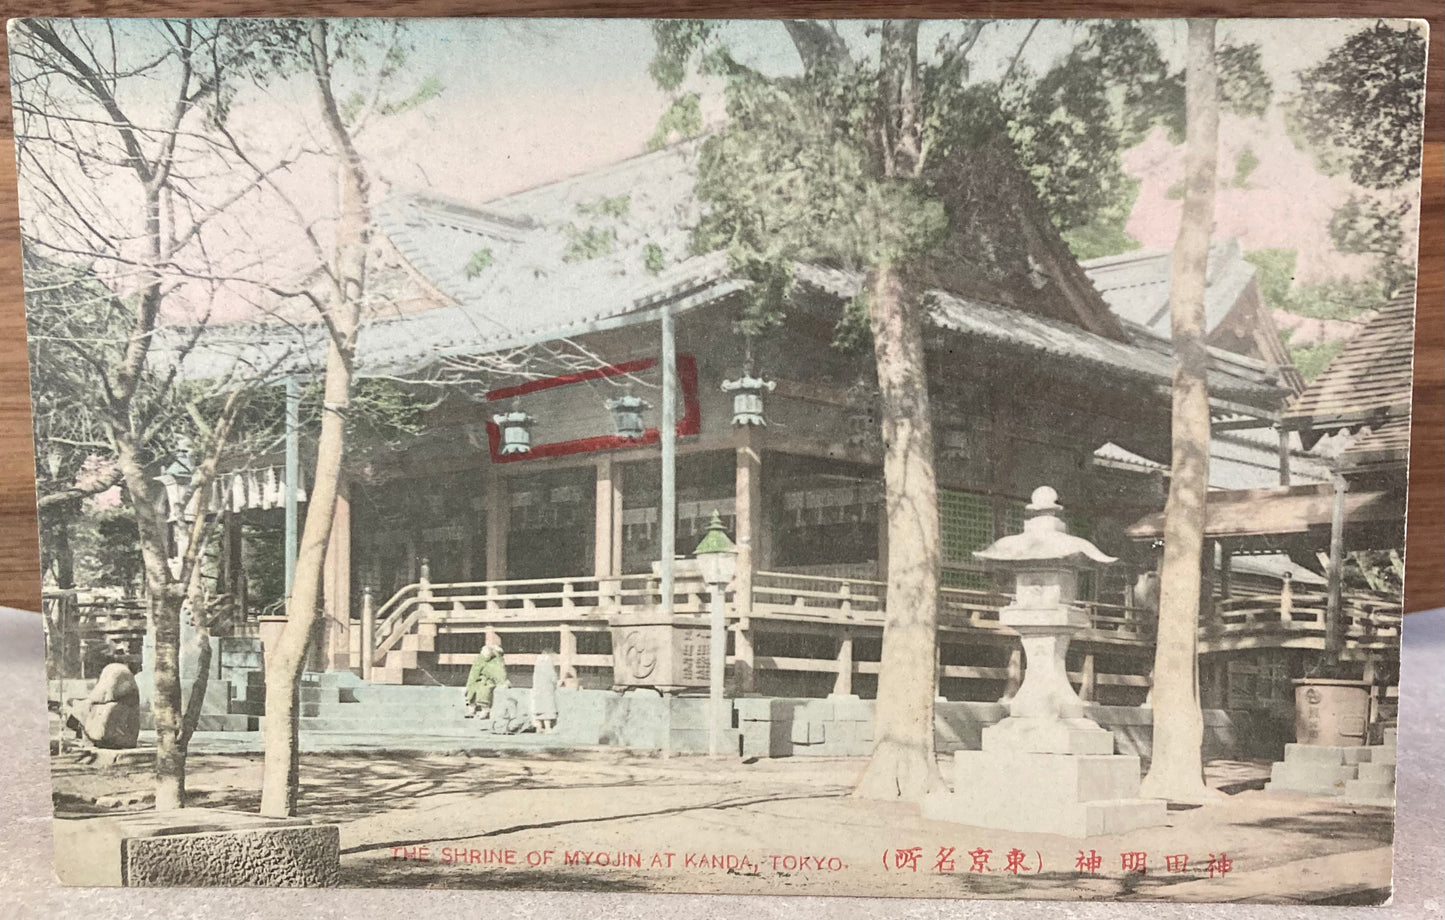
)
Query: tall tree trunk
[
  {"x": 1176, "y": 767},
  {"x": 904, "y": 763},
  {"x": 281, "y": 771}
]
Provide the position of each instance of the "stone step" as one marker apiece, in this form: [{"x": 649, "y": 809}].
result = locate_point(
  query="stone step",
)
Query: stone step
[
  {"x": 1327, "y": 754},
  {"x": 1385, "y": 753},
  {"x": 1310, "y": 778},
  {"x": 1377, "y": 773},
  {"x": 1360, "y": 792}
]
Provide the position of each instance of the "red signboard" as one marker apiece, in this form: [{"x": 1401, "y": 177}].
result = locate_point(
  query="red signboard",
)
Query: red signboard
[{"x": 690, "y": 423}]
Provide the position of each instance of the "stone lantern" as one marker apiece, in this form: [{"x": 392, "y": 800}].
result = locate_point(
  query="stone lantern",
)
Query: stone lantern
[
  {"x": 748, "y": 393},
  {"x": 627, "y": 414},
  {"x": 1047, "y": 767},
  {"x": 516, "y": 428}
]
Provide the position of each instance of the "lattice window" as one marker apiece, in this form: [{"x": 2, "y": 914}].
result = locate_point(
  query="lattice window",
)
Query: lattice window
[{"x": 967, "y": 521}]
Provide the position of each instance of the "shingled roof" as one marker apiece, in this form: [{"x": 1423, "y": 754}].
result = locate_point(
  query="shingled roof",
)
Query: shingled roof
[
  {"x": 1367, "y": 384},
  {"x": 609, "y": 247}
]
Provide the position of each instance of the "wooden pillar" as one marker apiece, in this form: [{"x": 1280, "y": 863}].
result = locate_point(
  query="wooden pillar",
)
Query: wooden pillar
[
  {"x": 748, "y": 511},
  {"x": 843, "y": 682},
  {"x": 1015, "y": 677},
  {"x": 1089, "y": 680},
  {"x": 566, "y": 657},
  {"x": 368, "y": 633},
  {"x": 1334, "y": 612},
  {"x": 1226, "y": 579},
  {"x": 605, "y": 551},
  {"x": 499, "y": 514},
  {"x": 336, "y": 586},
  {"x": 1283, "y": 455}
]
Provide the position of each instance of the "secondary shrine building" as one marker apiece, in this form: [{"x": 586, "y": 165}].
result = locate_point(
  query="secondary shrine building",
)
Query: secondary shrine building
[{"x": 528, "y": 509}]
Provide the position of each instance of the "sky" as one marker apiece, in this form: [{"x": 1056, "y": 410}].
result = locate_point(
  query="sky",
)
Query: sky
[{"x": 525, "y": 102}]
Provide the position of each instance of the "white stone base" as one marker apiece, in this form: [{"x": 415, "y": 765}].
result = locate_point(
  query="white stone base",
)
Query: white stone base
[{"x": 1074, "y": 795}]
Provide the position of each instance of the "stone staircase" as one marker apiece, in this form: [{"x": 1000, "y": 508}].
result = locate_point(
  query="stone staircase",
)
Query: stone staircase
[
  {"x": 339, "y": 701},
  {"x": 1362, "y": 774},
  {"x": 412, "y": 660},
  {"x": 235, "y": 689},
  {"x": 1375, "y": 782}
]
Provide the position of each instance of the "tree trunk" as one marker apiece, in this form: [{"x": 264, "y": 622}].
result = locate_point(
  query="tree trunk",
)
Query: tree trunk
[
  {"x": 1176, "y": 767},
  {"x": 904, "y": 764},
  {"x": 165, "y": 620},
  {"x": 281, "y": 771}
]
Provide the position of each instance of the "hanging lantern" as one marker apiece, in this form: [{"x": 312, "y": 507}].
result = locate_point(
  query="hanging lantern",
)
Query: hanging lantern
[
  {"x": 748, "y": 393},
  {"x": 516, "y": 428},
  {"x": 627, "y": 415}
]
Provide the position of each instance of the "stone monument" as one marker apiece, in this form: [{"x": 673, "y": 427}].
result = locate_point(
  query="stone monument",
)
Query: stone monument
[{"x": 1047, "y": 768}]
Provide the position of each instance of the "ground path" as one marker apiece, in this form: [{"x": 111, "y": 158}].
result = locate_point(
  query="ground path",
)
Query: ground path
[{"x": 610, "y": 820}]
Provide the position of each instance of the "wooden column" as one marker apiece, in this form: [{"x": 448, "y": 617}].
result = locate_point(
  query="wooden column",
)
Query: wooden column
[
  {"x": 336, "y": 586},
  {"x": 748, "y": 508},
  {"x": 607, "y": 541},
  {"x": 843, "y": 683},
  {"x": 1334, "y": 608},
  {"x": 1015, "y": 677},
  {"x": 566, "y": 657},
  {"x": 1283, "y": 455},
  {"x": 1089, "y": 680},
  {"x": 1226, "y": 575},
  {"x": 499, "y": 513}
]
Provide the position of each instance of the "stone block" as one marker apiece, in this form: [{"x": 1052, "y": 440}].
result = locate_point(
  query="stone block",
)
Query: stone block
[
  {"x": 1376, "y": 773},
  {"x": 197, "y": 847},
  {"x": 1360, "y": 792},
  {"x": 1383, "y": 754},
  {"x": 1310, "y": 778},
  {"x": 1069, "y": 736},
  {"x": 763, "y": 708},
  {"x": 808, "y": 732},
  {"x": 1327, "y": 754},
  {"x": 766, "y": 739},
  {"x": 1062, "y": 779}
]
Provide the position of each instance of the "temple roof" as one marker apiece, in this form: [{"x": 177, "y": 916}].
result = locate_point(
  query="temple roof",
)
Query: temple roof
[
  {"x": 610, "y": 247},
  {"x": 1366, "y": 384},
  {"x": 1136, "y": 284}
]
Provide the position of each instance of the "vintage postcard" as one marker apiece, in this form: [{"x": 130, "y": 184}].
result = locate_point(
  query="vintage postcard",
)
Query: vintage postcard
[{"x": 898, "y": 458}]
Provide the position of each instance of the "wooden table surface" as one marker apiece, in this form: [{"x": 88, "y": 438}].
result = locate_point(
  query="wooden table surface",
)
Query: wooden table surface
[{"x": 1425, "y": 577}]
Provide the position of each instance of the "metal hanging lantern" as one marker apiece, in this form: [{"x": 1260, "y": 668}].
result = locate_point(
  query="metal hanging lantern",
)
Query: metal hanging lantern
[
  {"x": 516, "y": 428},
  {"x": 627, "y": 415},
  {"x": 748, "y": 393}
]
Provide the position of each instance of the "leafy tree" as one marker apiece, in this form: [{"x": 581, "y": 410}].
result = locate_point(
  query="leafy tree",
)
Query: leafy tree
[
  {"x": 1176, "y": 767},
  {"x": 854, "y": 160},
  {"x": 1359, "y": 109},
  {"x": 1359, "y": 112}
]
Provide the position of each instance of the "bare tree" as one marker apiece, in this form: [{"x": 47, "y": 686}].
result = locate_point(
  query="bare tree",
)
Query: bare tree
[{"x": 118, "y": 207}]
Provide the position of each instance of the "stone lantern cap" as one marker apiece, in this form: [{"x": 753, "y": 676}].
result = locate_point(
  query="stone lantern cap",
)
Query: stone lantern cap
[{"x": 1046, "y": 539}]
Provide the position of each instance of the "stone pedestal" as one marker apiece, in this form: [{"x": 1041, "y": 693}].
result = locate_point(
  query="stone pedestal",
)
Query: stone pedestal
[
  {"x": 197, "y": 847},
  {"x": 1046, "y": 768},
  {"x": 652, "y": 650}
]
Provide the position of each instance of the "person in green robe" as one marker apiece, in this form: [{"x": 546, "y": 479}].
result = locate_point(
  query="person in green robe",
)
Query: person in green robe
[{"x": 489, "y": 671}]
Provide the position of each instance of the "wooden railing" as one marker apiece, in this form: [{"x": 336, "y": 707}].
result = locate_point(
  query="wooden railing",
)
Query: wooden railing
[
  {"x": 1365, "y": 617},
  {"x": 788, "y": 596},
  {"x": 525, "y": 600},
  {"x": 803, "y": 598}
]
